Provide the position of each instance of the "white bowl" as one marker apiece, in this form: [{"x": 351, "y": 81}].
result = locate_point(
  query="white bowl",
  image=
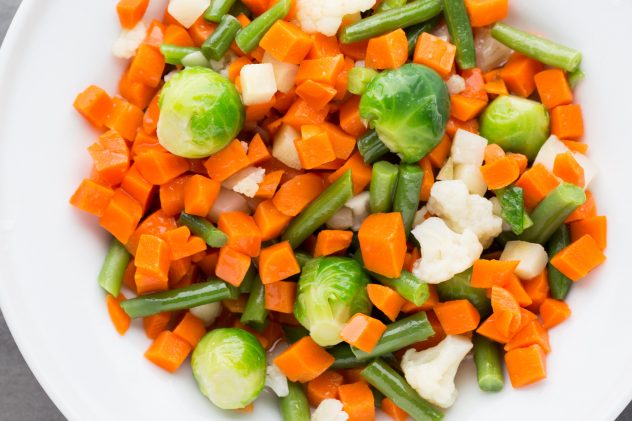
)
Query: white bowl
[{"x": 50, "y": 253}]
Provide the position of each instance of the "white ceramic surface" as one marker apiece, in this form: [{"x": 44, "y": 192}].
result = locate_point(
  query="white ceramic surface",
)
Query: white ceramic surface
[{"x": 50, "y": 253}]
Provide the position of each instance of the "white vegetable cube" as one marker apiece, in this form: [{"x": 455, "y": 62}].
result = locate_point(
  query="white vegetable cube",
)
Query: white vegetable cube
[
  {"x": 186, "y": 12},
  {"x": 245, "y": 181},
  {"x": 359, "y": 206},
  {"x": 447, "y": 171},
  {"x": 128, "y": 42},
  {"x": 284, "y": 73},
  {"x": 258, "y": 84},
  {"x": 283, "y": 147},
  {"x": 341, "y": 220},
  {"x": 590, "y": 170},
  {"x": 468, "y": 148},
  {"x": 276, "y": 380},
  {"x": 532, "y": 258},
  {"x": 456, "y": 84},
  {"x": 207, "y": 312},
  {"x": 325, "y": 16},
  {"x": 472, "y": 177},
  {"x": 330, "y": 410}
]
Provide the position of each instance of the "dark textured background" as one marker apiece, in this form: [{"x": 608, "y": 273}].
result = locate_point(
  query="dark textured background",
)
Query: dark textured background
[{"x": 21, "y": 397}]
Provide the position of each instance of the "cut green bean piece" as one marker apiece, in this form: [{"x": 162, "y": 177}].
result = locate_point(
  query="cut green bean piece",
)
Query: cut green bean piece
[
  {"x": 400, "y": 334},
  {"x": 460, "y": 32},
  {"x": 359, "y": 78},
  {"x": 551, "y": 213},
  {"x": 381, "y": 23},
  {"x": 204, "y": 229},
  {"x": 388, "y": 381},
  {"x": 113, "y": 269},
  {"x": 216, "y": 46},
  {"x": 559, "y": 284},
  {"x": 371, "y": 147},
  {"x": 386, "y": 5},
  {"x": 240, "y": 9},
  {"x": 406, "y": 199},
  {"x": 180, "y": 298},
  {"x": 174, "y": 53},
  {"x": 345, "y": 358},
  {"x": 536, "y": 47},
  {"x": 302, "y": 258},
  {"x": 383, "y": 185},
  {"x": 294, "y": 333},
  {"x": 248, "y": 38},
  {"x": 255, "y": 312},
  {"x": 218, "y": 9},
  {"x": 320, "y": 210},
  {"x": 489, "y": 370},
  {"x": 249, "y": 279},
  {"x": 460, "y": 288},
  {"x": 294, "y": 406},
  {"x": 575, "y": 77},
  {"x": 414, "y": 32},
  {"x": 512, "y": 204}
]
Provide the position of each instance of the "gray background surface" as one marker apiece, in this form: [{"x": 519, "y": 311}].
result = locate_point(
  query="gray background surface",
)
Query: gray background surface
[{"x": 21, "y": 397}]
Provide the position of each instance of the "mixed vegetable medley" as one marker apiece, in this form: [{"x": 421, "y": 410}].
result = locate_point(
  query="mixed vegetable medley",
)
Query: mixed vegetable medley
[{"x": 339, "y": 200}]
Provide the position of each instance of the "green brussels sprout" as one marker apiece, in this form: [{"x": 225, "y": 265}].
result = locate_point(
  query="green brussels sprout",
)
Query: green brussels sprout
[
  {"x": 200, "y": 113},
  {"x": 229, "y": 366},
  {"x": 330, "y": 291},
  {"x": 409, "y": 108},
  {"x": 516, "y": 125}
]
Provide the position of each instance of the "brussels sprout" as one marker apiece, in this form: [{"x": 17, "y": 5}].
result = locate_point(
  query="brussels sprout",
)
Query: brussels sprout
[
  {"x": 516, "y": 125},
  {"x": 200, "y": 113},
  {"x": 330, "y": 291},
  {"x": 230, "y": 367},
  {"x": 409, "y": 108}
]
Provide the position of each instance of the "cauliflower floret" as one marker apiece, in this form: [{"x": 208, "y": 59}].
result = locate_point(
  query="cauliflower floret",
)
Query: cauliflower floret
[
  {"x": 276, "y": 380},
  {"x": 246, "y": 181},
  {"x": 207, "y": 312},
  {"x": 341, "y": 220},
  {"x": 444, "y": 253},
  {"x": 128, "y": 42},
  {"x": 431, "y": 372},
  {"x": 461, "y": 210},
  {"x": 325, "y": 16},
  {"x": 532, "y": 258},
  {"x": 359, "y": 206},
  {"x": 456, "y": 84},
  {"x": 330, "y": 410}
]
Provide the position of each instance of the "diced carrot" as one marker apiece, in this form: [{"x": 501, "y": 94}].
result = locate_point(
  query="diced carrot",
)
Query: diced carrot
[
  {"x": 457, "y": 316},
  {"x": 537, "y": 289},
  {"x": 121, "y": 216},
  {"x": 493, "y": 153},
  {"x": 515, "y": 288},
  {"x": 440, "y": 153},
  {"x": 435, "y": 53},
  {"x": 136, "y": 186},
  {"x": 135, "y": 92},
  {"x": 355, "y": 50},
  {"x": 209, "y": 262},
  {"x": 147, "y": 66},
  {"x": 358, "y": 401},
  {"x": 178, "y": 269},
  {"x": 536, "y": 183},
  {"x": 158, "y": 223},
  {"x": 155, "y": 34},
  {"x": 568, "y": 169},
  {"x": 232, "y": 265},
  {"x": 496, "y": 87},
  {"x": 316, "y": 94},
  {"x": 553, "y": 88},
  {"x": 152, "y": 264},
  {"x": 352, "y": 375},
  {"x": 579, "y": 258},
  {"x": 567, "y": 121},
  {"x": 304, "y": 360},
  {"x": 454, "y": 124},
  {"x": 257, "y": 6},
  {"x": 301, "y": 113},
  {"x": 490, "y": 329},
  {"x": 258, "y": 112},
  {"x": 201, "y": 30},
  {"x": 110, "y": 155},
  {"x": 199, "y": 195},
  {"x": 172, "y": 195},
  {"x": 520, "y": 159},
  {"x": 91, "y": 197},
  {"x": 464, "y": 108},
  {"x": 269, "y": 220},
  {"x": 395, "y": 412},
  {"x": 284, "y": 100},
  {"x": 504, "y": 302},
  {"x": 144, "y": 142},
  {"x": 329, "y": 242},
  {"x": 269, "y": 184},
  {"x": 315, "y": 151},
  {"x": 596, "y": 227},
  {"x": 94, "y": 104},
  {"x": 532, "y": 334},
  {"x": 383, "y": 243},
  {"x": 323, "y": 70},
  {"x": 500, "y": 173},
  {"x": 553, "y": 312},
  {"x": 526, "y": 365},
  {"x": 277, "y": 262},
  {"x": 587, "y": 210},
  {"x": 160, "y": 167},
  {"x": 323, "y": 46},
  {"x": 360, "y": 172},
  {"x": 324, "y": 387},
  {"x": 168, "y": 351},
  {"x": 434, "y": 340},
  {"x": 486, "y": 12},
  {"x": 294, "y": 195},
  {"x": 388, "y": 51},
  {"x": 411, "y": 258},
  {"x": 280, "y": 296},
  {"x": 350, "y": 120},
  {"x": 242, "y": 231},
  {"x": 387, "y": 300},
  {"x": 363, "y": 332},
  {"x": 227, "y": 162},
  {"x": 519, "y": 74},
  {"x": 191, "y": 329},
  {"x": 130, "y": 12},
  {"x": 286, "y": 42},
  {"x": 257, "y": 150},
  {"x": 182, "y": 244},
  {"x": 342, "y": 143},
  {"x": 124, "y": 118},
  {"x": 177, "y": 35},
  {"x": 576, "y": 146},
  {"x": 428, "y": 180},
  {"x": 118, "y": 316},
  {"x": 156, "y": 324},
  {"x": 235, "y": 67}
]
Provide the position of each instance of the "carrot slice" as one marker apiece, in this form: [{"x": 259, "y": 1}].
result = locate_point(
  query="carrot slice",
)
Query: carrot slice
[
  {"x": 156, "y": 324},
  {"x": 395, "y": 412},
  {"x": 277, "y": 263},
  {"x": 579, "y": 258},
  {"x": 500, "y": 173},
  {"x": 191, "y": 329},
  {"x": 360, "y": 172},
  {"x": 119, "y": 317},
  {"x": 232, "y": 265},
  {"x": 257, "y": 151},
  {"x": 168, "y": 351},
  {"x": 350, "y": 119},
  {"x": 526, "y": 365},
  {"x": 125, "y": 118},
  {"x": 286, "y": 42},
  {"x": 435, "y": 53},
  {"x": 553, "y": 312},
  {"x": 532, "y": 334},
  {"x": 227, "y": 162},
  {"x": 388, "y": 51},
  {"x": 536, "y": 183},
  {"x": 324, "y": 387},
  {"x": 332, "y": 241},
  {"x": 280, "y": 296},
  {"x": 383, "y": 243},
  {"x": 457, "y": 317},
  {"x": 304, "y": 360},
  {"x": 519, "y": 74},
  {"x": 363, "y": 332},
  {"x": 486, "y": 12},
  {"x": 160, "y": 167},
  {"x": 568, "y": 169},
  {"x": 242, "y": 231},
  {"x": 596, "y": 227},
  {"x": 269, "y": 184},
  {"x": 121, "y": 216},
  {"x": 270, "y": 221},
  {"x": 91, "y": 197},
  {"x": 296, "y": 194},
  {"x": 567, "y": 121},
  {"x": 358, "y": 401},
  {"x": 94, "y": 104},
  {"x": 489, "y": 273},
  {"x": 130, "y": 12},
  {"x": 199, "y": 195},
  {"x": 553, "y": 88}
]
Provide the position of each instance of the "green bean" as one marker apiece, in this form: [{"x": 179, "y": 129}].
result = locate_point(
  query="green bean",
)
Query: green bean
[
  {"x": 386, "y": 5},
  {"x": 371, "y": 147},
  {"x": 294, "y": 406},
  {"x": 249, "y": 279},
  {"x": 113, "y": 269},
  {"x": 407, "y": 285},
  {"x": 255, "y": 311},
  {"x": 345, "y": 358},
  {"x": 249, "y": 37},
  {"x": 460, "y": 32},
  {"x": 551, "y": 213},
  {"x": 398, "y": 335},
  {"x": 294, "y": 333},
  {"x": 204, "y": 229},
  {"x": 359, "y": 78},
  {"x": 174, "y": 53},
  {"x": 218, "y": 9},
  {"x": 180, "y": 298},
  {"x": 559, "y": 284},
  {"x": 381, "y": 23},
  {"x": 383, "y": 185},
  {"x": 460, "y": 288},
  {"x": 320, "y": 210},
  {"x": 489, "y": 370},
  {"x": 575, "y": 77},
  {"x": 240, "y": 9},
  {"x": 512, "y": 204},
  {"x": 414, "y": 32},
  {"x": 406, "y": 200},
  {"x": 541, "y": 49},
  {"x": 218, "y": 43},
  {"x": 302, "y": 258},
  {"x": 385, "y": 379}
]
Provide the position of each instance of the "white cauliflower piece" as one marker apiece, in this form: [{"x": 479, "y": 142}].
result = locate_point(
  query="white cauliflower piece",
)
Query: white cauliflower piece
[
  {"x": 128, "y": 41},
  {"x": 341, "y": 220},
  {"x": 283, "y": 147},
  {"x": 497, "y": 209},
  {"x": 245, "y": 181},
  {"x": 468, "y": 148},
  {"x": 444, "y": 253},
  {"x": 421, "y": 215},
  {"x": 221, "y": 65},
  {"x": 325, "y": 16},
  {"x": 456, "y": 84},
  {"x": 461, "y": 210},
  {"x": 330, "y": 410},
  {"x": 276, "y": 380},
  {"x": 532, "y": 258},
  {"x": 431, "y": 372},
  {"x": 360, "y": 207},
  {"x": 186, "y": 12},
  {"x": 207, "y": 312}
]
